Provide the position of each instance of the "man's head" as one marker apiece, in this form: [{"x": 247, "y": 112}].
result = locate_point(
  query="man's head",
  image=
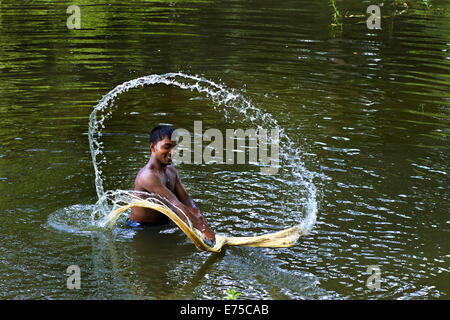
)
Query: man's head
[{"x": 161, "y": 145}]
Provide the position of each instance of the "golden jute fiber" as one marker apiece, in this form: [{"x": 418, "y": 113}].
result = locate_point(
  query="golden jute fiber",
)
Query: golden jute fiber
[{"x": 281, "y": 239}]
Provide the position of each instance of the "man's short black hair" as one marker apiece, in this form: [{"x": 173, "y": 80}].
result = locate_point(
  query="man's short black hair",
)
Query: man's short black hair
[{"x": 159, "y": 133}]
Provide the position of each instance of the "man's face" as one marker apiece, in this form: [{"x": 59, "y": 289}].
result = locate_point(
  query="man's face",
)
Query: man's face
[{"x": 163, "y": 150}]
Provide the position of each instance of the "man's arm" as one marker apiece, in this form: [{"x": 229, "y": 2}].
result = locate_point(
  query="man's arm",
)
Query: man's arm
[
  {"x": 153, "y": 184},
  {"x": 184, "y": 197}
]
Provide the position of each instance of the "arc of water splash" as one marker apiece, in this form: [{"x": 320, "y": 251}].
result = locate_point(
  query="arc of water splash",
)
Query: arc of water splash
[{"x": 220, "y": 95}]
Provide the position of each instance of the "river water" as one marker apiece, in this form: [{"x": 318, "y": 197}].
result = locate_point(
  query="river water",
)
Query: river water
[{"x": 364, "y": 149}]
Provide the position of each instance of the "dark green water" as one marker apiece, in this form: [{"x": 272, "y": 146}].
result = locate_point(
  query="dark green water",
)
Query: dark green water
[{"x": 368, "y": 109}]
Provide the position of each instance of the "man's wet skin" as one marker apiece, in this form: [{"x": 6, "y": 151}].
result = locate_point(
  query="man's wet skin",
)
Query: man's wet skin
[{"x": 160, "y": 177}]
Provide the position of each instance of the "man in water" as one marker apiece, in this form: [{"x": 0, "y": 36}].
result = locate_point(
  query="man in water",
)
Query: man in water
[{"x": 160, "y": 177}]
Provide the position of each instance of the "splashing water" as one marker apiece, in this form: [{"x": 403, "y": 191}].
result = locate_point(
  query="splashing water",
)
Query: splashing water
[{"x": 225, "y": 100}]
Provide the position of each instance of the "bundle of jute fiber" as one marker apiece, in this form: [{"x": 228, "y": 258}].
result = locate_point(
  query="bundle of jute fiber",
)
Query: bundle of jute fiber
[{"x": 281, "y": 239}]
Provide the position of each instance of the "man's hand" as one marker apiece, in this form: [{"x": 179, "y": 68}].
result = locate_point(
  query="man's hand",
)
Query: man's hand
[{"x": 209, "y": 237}]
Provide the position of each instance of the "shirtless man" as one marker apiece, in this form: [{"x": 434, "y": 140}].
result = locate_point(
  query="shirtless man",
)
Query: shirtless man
[{"x": 160, "y": 177}]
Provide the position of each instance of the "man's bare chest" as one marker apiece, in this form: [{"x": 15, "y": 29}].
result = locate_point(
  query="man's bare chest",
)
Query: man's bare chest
[{"x": 168, "y": 179}]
